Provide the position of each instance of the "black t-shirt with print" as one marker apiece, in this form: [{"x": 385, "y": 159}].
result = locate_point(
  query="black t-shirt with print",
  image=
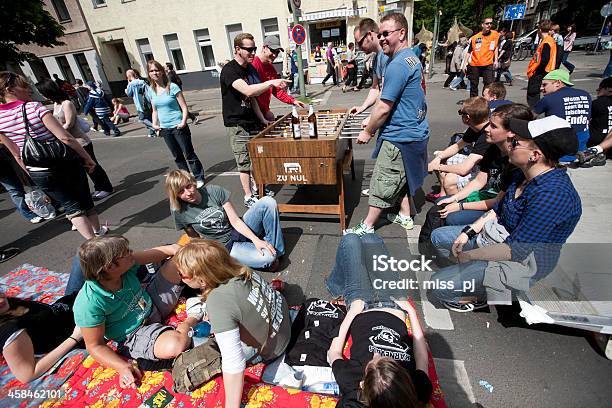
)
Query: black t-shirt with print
[
  {"x": 383, "y": 333},
  {"x": 237, "y": 110},
  {"x": 601, "y": 119},
  {"x": 497, "y": 167},
  {"x": 47, "y": 325},
  {"x": 477, "y": 139}
]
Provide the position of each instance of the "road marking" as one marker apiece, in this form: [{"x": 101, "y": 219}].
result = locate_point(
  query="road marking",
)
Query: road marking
[
  {"x": 326, "y": 97},
  {"x": 223, "y": 174},
  {"x": 585, "y": 79},
  {"x": 455, "y": 383},
  {"x": 108, "y": 138}
]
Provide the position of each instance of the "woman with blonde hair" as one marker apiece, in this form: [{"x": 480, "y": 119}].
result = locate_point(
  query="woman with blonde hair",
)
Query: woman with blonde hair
[
  {"x": 170, "y": 119},
  {"x": 249, "y": 318},
  {"x": 256, "y": 240}
]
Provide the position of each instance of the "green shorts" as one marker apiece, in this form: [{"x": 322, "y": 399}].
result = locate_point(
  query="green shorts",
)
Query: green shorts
[
  {"x": 388, "y": 183},
  {"x": 239, "y": 138}
]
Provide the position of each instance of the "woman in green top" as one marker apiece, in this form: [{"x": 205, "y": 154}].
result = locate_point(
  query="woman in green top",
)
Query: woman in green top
[{"x": 256, "y": 240}]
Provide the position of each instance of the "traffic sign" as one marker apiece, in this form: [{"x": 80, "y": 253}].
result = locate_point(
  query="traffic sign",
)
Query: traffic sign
[
  {"x": 298, "y": 34},
  {"x": 514, "y": 12}
]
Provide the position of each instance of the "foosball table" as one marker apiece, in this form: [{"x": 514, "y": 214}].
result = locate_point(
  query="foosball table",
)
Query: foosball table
[{"x": 278, "y": 158}]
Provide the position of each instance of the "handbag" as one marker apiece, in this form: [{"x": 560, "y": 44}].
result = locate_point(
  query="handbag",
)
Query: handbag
[{"x": 47, "y": 153}]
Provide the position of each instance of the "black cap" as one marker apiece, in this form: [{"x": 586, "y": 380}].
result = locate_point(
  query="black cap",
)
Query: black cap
[{"x": 554, "y": 136}]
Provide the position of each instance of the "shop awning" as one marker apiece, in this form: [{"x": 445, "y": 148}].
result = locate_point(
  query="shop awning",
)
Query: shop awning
[{"x": 327, "y": 14}]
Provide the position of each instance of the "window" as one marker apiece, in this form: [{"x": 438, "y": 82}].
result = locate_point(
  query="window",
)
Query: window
[
  {"x": 63, "y": 15},
  {"x": 269, "y": 26},
  {"x": 144, "y": 48},
  {"x": 232, "y": 31},
  {"x": 39, "y": 69},
  {"x": 99, "y": 3},
  {"x": 174, "y": 51},
  {"x": 207, "y": 57},
  {"x": 84, "y": 67},
  {"x": 65, "y": 69}
]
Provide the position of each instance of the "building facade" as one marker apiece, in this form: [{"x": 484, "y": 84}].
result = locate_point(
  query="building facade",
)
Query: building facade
[
  {"x": 77, "y": 59},
  {"x": 197, "y": 35}
]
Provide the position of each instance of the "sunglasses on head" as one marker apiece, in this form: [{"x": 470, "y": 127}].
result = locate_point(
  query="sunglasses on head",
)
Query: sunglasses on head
[
  {"x": 250, "y": 50},
  {"x": 386, "y": 33}
]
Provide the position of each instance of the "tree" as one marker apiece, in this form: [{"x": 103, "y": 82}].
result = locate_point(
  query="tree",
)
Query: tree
[{"x": 26, "y": 22}]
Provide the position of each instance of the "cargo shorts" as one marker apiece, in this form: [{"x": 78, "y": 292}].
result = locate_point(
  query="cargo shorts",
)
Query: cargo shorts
[
  {"x": 239, "y": 137},
  {"x": 388, "y": 184}
]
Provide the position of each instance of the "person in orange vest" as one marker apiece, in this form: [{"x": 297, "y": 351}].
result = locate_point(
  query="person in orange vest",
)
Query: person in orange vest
[
  {"x": 482, "y": 56},
  {"x": 542, "y": 62}
]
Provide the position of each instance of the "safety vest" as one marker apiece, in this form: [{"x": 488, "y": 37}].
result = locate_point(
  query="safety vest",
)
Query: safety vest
[
  {"x": 483, "y": 48},
  {"x": 537, "y": 56}
]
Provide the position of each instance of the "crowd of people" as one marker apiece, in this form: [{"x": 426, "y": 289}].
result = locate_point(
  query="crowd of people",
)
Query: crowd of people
[{"x": 505, "y": 206}]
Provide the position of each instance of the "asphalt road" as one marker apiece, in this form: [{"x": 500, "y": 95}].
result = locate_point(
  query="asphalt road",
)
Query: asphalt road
[{"x": 540, "y": 366}]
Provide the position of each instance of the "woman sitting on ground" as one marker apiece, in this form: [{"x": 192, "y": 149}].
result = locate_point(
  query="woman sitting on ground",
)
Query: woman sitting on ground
[
  {"x": 120, "y": 112},
  {"x": 388, "y": 367},
  {"x": 249, "y": 318},
  {"x": 256, "y": 240},
  {"x": 29, "y": 329}
]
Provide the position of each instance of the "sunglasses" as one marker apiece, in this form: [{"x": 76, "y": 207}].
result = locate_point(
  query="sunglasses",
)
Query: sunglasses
[
  {"x": 461, "y": 112},
  {"x": 386, "y": 33},
  {"x": 514, "y": 144},
  {"x": 250, "y": 50},
  {"x": 488, "y": 23},
  {"x": 360, "y": 42},
  {"x": 273, "y": 50}
]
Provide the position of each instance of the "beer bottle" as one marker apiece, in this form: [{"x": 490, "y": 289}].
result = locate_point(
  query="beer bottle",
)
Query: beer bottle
[
  {"x": 295, "y": 124},
  {"x": 312, "y": 123}
]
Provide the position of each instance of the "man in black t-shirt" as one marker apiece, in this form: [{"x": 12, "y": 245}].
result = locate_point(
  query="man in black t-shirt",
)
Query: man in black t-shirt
[
  {"x": 460, "y": 169},
  {"x": 601, "y": 113},
  {"x": 238, "y": 86}
]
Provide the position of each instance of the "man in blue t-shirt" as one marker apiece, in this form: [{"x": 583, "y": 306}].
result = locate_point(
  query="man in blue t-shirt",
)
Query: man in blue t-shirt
[
  {"x": 401, "y": 148},
  {"x": 571, "y": 104},
  {"x": 136, "y": 89}
]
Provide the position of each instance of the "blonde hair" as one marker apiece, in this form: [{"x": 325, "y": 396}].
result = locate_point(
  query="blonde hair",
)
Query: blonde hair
[
  {"x": 164, "y": 77},
  {"x": 98, "y": 253},
  {"x": 478, "y": 109},
  {"x": 210, "y": 263},
  {"x": 176, "y": 182},
  {"x": 117, "y": 101},
  {"x": 8, "y": 80}
]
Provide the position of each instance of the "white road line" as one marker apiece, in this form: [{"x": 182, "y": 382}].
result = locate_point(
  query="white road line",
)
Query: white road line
[
  {"x": 223, "y": 174},
  {"x": 109, "y": 138},
  {"x": 585, "y": 79},
  {"x": 455, "y": 383},
  {"x": 326, "y": 97}
]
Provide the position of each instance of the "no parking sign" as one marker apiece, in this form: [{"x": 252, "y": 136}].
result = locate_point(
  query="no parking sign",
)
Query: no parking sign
[{"x": 298, "y": 34}]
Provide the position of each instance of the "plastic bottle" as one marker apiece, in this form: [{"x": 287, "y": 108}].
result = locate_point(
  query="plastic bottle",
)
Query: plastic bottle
[{"x": 199, "y": 333}]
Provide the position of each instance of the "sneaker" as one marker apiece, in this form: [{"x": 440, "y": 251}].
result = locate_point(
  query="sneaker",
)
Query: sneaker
[
  {"x": 117, "y": 134},
  {"x": 464, "y": 307},
  {"x": 98, "y": 195},
  {"x": 250, "y": 201},
  {"x": 366, "y": 192},
  {"x": 269, "y": 192},
  {"x": 432, "y": 197},
  {"x": 73, "y": 228},
  {"x": 102, "y": 231},
  {"x": 586, "y": 155},
  {"x": 452, "y": 88},
  {"x": 195, "y": 121},
  {"x": 598, "y": 160},
  {"x": 360, "y": 229},
  {"x": 50, "y": 216},
  {"x": 36, "y": 219},
  {"x": 199, "y": 184},
  {"x": 406, "y": 222}
]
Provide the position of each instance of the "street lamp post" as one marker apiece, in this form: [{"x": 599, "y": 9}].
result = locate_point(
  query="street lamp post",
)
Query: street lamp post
[
  {"x": 300, "y": 66},
  {"x": 434, "y": 47}
]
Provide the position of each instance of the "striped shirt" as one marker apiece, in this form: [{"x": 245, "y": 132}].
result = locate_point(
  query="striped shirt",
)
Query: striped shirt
[{"x": 13, "y": 127}]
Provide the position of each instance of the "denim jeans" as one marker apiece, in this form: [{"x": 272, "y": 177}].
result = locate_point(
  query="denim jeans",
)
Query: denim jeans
[
  {"x": 443, "y": 238},
  {"x": 464, "y": 217},
  {"x": 179, "y": 143},
  {"x": 504, "y": 72},
  {"x": 570, "y": 67},
  {"x": 295, "y": 88},
  {"x": 458, "y": 80},
  {"x": 263, "y": 219},
  {"x": 466, "y": 282},
  {"x": 354, "y": 276},
  {"x": 146, "y": 120},
  {"x": 13, "y": 186},
  {"x": 76, "y": 279},
  {"x": 108, "y": 125}
]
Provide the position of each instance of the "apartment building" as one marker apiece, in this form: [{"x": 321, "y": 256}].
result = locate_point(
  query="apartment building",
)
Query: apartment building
[{"x": 197, "y": 35}]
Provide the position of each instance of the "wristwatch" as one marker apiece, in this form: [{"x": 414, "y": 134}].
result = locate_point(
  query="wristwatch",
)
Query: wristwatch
[{"x": 467, "y": 230}]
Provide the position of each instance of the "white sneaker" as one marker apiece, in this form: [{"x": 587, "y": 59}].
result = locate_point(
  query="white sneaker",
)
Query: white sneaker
[
  {"x": 199, "y": 184},
  {"x": 250, "y": 201},
  {"x": 98, "y": 195},
  {"x": 102, "y": 231},
  {"x": 365, "y": 192},
  {"x": 36, "y": 220},
  {"x": 73, "y": 228},
  {"x": 195, "y": 307}
]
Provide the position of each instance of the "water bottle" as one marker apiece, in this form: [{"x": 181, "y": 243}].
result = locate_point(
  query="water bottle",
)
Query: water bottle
[
  {"x": 199, "y": 333},
  {"x": 39, "y": 203},
  {"x": 325, "y": 387}
]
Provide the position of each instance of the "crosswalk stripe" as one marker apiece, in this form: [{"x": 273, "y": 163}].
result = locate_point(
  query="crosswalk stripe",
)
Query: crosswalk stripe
[{"x": 455, "y": 383}]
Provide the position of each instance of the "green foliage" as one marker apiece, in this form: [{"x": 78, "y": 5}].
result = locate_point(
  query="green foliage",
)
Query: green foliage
[{"x": 26, "y": 22}]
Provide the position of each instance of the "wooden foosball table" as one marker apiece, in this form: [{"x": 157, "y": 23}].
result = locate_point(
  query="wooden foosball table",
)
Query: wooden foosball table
[{"x": 278, "y": 158}]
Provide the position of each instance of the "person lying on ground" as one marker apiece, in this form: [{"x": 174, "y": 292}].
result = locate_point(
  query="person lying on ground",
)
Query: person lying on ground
[
  {"x": 113, "y": 305},
  {"x": 249, "y": 318},
  {"x": 256, "y": 240}
]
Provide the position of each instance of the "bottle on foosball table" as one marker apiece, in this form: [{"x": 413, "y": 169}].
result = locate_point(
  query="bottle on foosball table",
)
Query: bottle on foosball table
[
  {"x": 295, "y": 124},
  {"x": 313, "y": 132}
]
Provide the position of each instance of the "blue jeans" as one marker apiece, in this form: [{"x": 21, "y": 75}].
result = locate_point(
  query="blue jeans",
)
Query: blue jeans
[
  {"x": 296, "y": 83},
  {"x": 179, "y": 143},
  {"x": 108, "y": 125},
  {"x": 458, "y": 281},
  {"x": 263, "y": 219},
  {"x": 443, "y": 238},
  {"x": 76, "y": 279},
  {"x": 504, "y": 72},
  {"x": 566, "y": 63},
  {"x": 146, "y": 120},
  {"x": 353, "y": 275},
  {"x": 464, "y": 217},
  {"x": 13, "y": 186},
  {"x": 459, "y": 79}
]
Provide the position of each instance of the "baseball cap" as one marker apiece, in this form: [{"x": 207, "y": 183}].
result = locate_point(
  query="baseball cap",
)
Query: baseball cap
[
  {"x": 561, "y": 75},
  {"x": 554, "y": 136},
  {"x": 273, "y": 42}
]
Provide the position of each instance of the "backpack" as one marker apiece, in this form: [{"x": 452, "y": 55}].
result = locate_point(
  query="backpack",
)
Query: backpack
[
  {"x": 145, "y": 103},
  {"x": 195, "y": 367}
]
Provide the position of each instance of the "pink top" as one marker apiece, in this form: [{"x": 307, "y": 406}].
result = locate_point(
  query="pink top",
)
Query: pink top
[
  {"x": 13, "y": 127},
  {"x": 124, "y": 110}
]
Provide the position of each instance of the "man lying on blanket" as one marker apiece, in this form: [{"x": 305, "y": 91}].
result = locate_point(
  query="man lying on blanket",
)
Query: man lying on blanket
[
  {"x": 387, "y": 365},
  {"x": 113, "y": 305}
]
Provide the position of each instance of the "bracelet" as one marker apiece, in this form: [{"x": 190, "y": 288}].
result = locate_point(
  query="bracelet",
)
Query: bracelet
[
  {"x": 461, "y": 205},
  {"x": 75, "y": 340},
  {"x": 467, "y": 230}
]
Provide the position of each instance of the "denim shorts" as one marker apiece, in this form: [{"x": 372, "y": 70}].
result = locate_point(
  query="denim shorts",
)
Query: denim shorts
[{"x": 67, "y": 185}]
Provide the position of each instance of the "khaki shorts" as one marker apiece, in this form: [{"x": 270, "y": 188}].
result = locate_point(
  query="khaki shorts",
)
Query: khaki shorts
[
  {"x": 239, "y": 138},
  {"x": 388, "y": 183}
]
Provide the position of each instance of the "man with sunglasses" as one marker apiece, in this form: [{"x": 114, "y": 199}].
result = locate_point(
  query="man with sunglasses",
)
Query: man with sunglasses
[
  {"x": 240, "y": 85},
  {"x": 401, "y": 148},
  {"x": 265, "y": 70},
  {"x": 482, "y": 56}
]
